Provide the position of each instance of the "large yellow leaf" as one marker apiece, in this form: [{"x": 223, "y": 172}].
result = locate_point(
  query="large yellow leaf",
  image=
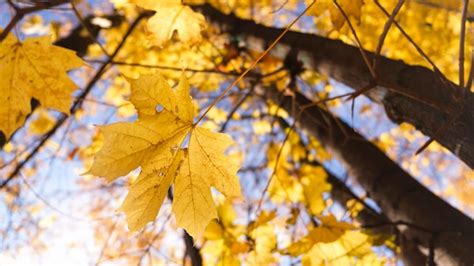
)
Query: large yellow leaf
[
  {"x": 193, "y": 204},
  {"x": 206, "y": 149},
  {"x": 171, "y": 16},
  {"x": 148, "y": 192},
  {"x": 156, "y": 143},
  {"x": 129, "y": 145},
  {"x": 203, "y": 167},
  {"x": 33, "y": 69}
]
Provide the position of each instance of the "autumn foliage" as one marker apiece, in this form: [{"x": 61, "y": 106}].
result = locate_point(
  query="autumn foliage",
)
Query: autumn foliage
[{"x": 237, "y": 132}]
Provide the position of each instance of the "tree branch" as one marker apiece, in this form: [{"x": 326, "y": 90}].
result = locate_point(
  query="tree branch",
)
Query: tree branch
[
  {"x": 398, "y": 194},
  {"x": 412, "y": 94},
  {"x": 21, "y": 12}
]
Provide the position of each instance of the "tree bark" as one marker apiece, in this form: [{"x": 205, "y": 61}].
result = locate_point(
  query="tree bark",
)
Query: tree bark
[
  {"x": 341, "y": 193},
  {"x": 422, "y": 217},
  {"x": 409, "y": 252},
  {"x": 412, "y": 94}
]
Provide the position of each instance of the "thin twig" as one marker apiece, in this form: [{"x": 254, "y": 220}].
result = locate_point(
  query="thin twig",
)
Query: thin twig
[
  {"x": 471, "y": 73},
  {"x": 358, "y": 42},
  {"x": 255, "y": 62},
  {"x": 431, "y": 252},
  {"x": 236, "y": 107},
  {"x": 384, "y": 34},
  {"x": 462, "y": 38},
  {"x": 86, "y": 27},
  {"x": 21, "y": 12},
  {"x": 106, "y": 243},
  {"x": 410, "y": 40},
  {"x": 274, "y": 172}
]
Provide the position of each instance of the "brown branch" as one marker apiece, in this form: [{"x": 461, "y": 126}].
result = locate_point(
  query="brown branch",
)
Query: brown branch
[
  {"x": 398, "y": 194},
  {"x": 386, "y": 29},
  {"x": 471, "y": 73},
  {"x": 358, "y": 42},
  {"x": 236, "y": 107},
  {"x": 21, "y": 12},
  {"x": 410, "y": 40},
  {"x": 194, "y": 70},
  {"x": 192, "y": 251},
  {"x": 409, "y": 93},
  {"x": 378, "y": 222},
  {"x": 90, "y": 32},
  {"x": 462, "y": 90},
  {"x": 462, "y": 38}
]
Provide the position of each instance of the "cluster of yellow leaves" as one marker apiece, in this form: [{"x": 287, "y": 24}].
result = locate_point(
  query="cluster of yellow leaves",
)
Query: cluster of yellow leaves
[
  {"x": 225, "y": 238},
  {"x": 155, "y": 142},
  {"x": 419, "y": 19},
  {"x": 334, "y": 243},
  {"x": 352, "y": 248},
  {"x": 329, "y": 231},
  {"x": 33, "y": 69},
  {"x": 228, "y": 243},
  {"x": 305, "y": 184},
  {"x": 172, "y": 16}
]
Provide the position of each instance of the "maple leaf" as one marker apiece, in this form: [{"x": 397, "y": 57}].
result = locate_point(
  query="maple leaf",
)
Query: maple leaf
[
  {"x": 171, "y": 16},
  {"x": 329, "y": 231},
  {"x": 155, "y": 142},
  {"x": 33, "y": 69}
]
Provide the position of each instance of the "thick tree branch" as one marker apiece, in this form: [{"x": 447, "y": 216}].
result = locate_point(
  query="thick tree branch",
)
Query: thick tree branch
[
  {"x": 412, "y": 94},
  {"x": 398, "y": 194},
  {"x": 341, "y": 193}
]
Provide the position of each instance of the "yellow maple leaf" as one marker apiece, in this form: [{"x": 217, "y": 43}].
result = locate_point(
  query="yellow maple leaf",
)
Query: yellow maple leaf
[
  {"x": 314, "y": 184},
  {"x": 172, "y": 16},
  {"x": 33, "y": 69},
  {"x": 352, "y": 248},
  {"x": 262, "y": 219},
  {"x": 155, "y": 142},
  {"x": 148, "y": 193},
  {"x": 329, "y": 231},
  {"x": 265, "y": 242}
]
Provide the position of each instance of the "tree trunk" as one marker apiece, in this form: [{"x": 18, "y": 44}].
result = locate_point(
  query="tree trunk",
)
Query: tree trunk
[
  {"x": 423, "y": 217},
  {"x": 412, "y": 94},
  {"x": 341, "y": 193}
]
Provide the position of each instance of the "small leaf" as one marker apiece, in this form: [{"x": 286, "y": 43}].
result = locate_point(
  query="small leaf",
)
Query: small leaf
[{"x": 173, "y": 16}]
